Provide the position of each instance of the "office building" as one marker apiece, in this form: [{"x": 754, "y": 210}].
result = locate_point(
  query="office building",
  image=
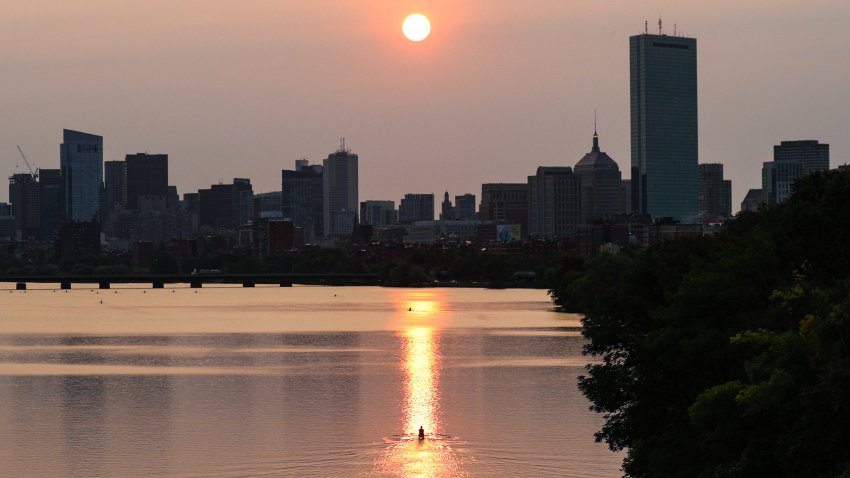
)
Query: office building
[
  {"x": 378, "y": 213},
  {"x": 813, "y": 155},
  {"x": 753, "y": 200},
  {"x": 465, "y": 207},
  {"x": 505, "y": 203},
  {"x": 416, "y": 207},
  {"x": 777, "y": 179},
  {"x": 626, "y": 195},
  {"x": 554, "y": 205},
  {"x": 601, "y": 184},
  {"x": 50, "y": 183},
  {"x": 664, "y": 145},
  {"x": 146, "y": 174},
  {"x": 715, "y": 193},
  {"x": 115, "y": 184},
  {"x": 302, "y": 199},
  {"x": 339, "y": 192},
  {"x": 81, "y": 165},
  {"x": 26, "y": 205},
  {"x": 226, "y": 206},
  {"x": 268, "y": 205}
]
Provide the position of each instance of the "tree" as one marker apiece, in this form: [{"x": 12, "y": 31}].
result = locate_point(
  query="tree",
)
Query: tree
[{"x": 727, "y": 356}]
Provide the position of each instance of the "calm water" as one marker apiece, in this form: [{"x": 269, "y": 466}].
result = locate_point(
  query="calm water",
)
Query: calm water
[{"x": 302, "y": 381}]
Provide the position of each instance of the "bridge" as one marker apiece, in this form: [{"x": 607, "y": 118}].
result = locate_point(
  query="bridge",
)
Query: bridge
[{"x": 196, "y": 281}]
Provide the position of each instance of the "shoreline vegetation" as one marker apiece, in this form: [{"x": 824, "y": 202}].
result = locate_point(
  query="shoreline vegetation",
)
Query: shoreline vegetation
[
  {"x": 438, "y": 266},
  {"x": 726, "y": 356}
]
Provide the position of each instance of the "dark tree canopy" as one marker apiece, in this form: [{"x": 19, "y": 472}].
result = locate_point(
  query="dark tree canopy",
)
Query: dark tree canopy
[{"x": 727, "y": 356}]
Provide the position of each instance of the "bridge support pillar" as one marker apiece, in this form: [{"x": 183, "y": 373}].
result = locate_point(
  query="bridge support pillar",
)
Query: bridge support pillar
[
  {"x": 65, "y": 285},
  {"x": 104, "y": 285},
  {"x": 21, "y": 286},
  {"x": 248, "y": 283},
  {"x": 158, "y": 284},
  {"x": 196, "y": 284}
]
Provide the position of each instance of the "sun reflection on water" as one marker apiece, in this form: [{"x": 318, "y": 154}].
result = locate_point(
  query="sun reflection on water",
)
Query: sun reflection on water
[{"x": 434, "y": 456}]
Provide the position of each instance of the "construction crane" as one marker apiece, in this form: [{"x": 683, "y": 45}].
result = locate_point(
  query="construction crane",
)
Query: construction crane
[{"x": 32, "y": 173}]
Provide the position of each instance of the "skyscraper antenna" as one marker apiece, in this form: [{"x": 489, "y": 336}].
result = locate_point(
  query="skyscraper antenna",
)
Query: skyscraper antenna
[
  {"x": 659, "y": 26},
  {"x": 675, "y": 28},
  {"x": 646, "y": 27},
  {"x": 342, "y": 144},
  {"x": 594, "y": 120}
]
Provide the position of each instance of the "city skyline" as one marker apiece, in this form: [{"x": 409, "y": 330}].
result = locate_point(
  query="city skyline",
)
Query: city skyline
[{"x": 461, "y": 101}]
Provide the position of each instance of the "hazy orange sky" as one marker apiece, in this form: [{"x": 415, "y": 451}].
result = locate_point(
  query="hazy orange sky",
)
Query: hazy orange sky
[{"x": 244, "y": 88}]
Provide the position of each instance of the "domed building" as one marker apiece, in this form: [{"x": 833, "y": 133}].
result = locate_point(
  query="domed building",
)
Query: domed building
[{"x": 600, "y": 190}]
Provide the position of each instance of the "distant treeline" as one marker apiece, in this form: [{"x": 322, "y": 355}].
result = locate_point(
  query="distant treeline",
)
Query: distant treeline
[
  {"x": 403, "y": 266},
  {"x": 727, "y": 356}
]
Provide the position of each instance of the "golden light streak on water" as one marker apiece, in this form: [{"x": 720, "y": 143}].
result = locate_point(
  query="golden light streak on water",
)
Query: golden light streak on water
[
  {"x": 433, "y": 457},
  {"x": 420, "y": 367}
]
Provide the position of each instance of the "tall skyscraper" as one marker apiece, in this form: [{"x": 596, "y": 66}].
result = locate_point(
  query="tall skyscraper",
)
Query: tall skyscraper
[
  {"x": 416, "y": 207},
  {"x": 601, "y": 187},
  {"x": 339, "y": 192},
  {"x": 147, "y": 175},
  {"x": 301, "y": 198},
  {"x": 715, "y": 193},
  {"x": 663, "y": 80},
  {"x": 554, "y": 207},
  {"x": 81, "y": 165}
]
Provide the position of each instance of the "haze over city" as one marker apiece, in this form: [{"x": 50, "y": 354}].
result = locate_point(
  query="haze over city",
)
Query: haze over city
[{"x": 500, "y": 87}]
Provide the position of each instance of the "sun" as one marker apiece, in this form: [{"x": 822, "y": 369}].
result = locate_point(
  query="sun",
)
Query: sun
[{"x": 416, "y": 27}]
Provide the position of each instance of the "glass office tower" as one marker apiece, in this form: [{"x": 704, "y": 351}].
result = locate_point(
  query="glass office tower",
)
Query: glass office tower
[
  {"x": 664, "y": 125},
  {"x": 81, "y": 165}
]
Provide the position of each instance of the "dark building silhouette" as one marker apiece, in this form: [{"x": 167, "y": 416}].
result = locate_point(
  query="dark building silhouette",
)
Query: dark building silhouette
[
  {"x": 813, "y": 155},
  {"x": 340, "y": 192},
  {"x": 791, "y": 161},
  {"x": 554, "y": 207},
  {"x": 147, "y": 174},
  {"x": 664, "y": 141},
  {"x": 601, "y": 184},
  {"x": 378, "y": 213},
  {"x": 268, "y": 205},
  {"x": 226, "y": 206},
  {"x": 447, "y": 210},
  {"x": 416, "y": 207},
  {"x": 50, "y": 186},
  {"x": 715, "y": 193},
  {"x": 465, "y": 207},
  {"x": 302, "y": 198},
  {"x": 77, "y": 239},
  {"x": 777, "y": 179},
  {"x": 273, "y": 236},
  {"x": 115, "y": 184},
  {"x": 25, "y": 197},
  {"x": 505, "y": 203},
  {"x": 81, "y": 164},
  {"x": 753, "y": 200}
]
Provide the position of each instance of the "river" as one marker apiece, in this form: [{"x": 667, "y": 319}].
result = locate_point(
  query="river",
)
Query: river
[{"x": 297, "y": 381}]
